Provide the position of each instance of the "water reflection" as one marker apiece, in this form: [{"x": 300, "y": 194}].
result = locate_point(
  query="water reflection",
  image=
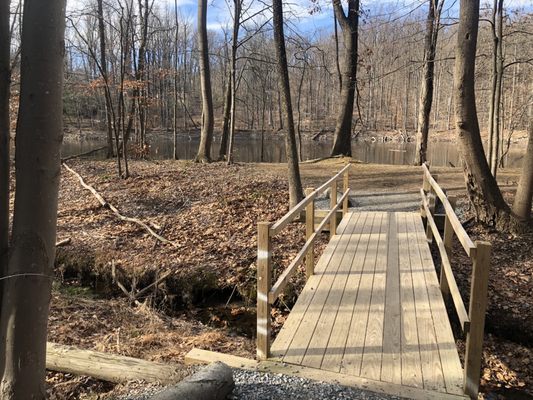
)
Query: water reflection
[{"x": 247, "y": 148}]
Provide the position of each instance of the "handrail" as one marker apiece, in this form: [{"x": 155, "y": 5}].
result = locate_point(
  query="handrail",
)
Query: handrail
[
  {"x": 287, "y": 218},
  {"x": 473, "y": 322},
  {"x": 462, "y": 235},
  {"x": 283, "y": 279},
  {"x": 267, "y": 293},
  {"x": 445, "y": 263}
]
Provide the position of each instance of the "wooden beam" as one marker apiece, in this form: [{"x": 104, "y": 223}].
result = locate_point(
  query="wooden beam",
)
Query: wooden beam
[
  {"x": 264, "y": 282},
  {"x": 477, "y": 309},
  {"x": 108, "y": 367},
  {"x": 309, "y": 230},
  {"x": 332, "y": 204},
  {"x": 199, "y": 356}
]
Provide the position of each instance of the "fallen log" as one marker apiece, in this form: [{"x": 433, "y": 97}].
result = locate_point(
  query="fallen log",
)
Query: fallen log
[
  {"x": 115, "y": 211},
  {"x": 109, "y": 367},
  {"x": 214, "y": 382}
]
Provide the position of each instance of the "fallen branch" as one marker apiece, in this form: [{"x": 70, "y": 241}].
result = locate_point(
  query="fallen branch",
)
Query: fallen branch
[
  {"x": 214, "y": 382},
  {"x": 110, "y": 206},
  {"x": 87, "y": 153},
  {"x": 63, "y": 242},
  {"x": 108, "y": 367},
  {"x": 151, "y": 285}
]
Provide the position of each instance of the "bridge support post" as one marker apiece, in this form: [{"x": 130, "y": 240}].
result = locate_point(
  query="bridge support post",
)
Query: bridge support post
[
  {"x": 332, "y": 204},
  {"x": 477, "y": 309},
  {"x": 345, "y": 187},
  {"x": 448, "y": 245},
  {"x": 264, "y": 283},
  {"x": 309, "y": 230}
]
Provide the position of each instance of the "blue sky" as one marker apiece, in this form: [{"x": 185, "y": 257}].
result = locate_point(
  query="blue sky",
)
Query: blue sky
[{"x": 298, "y": 12}]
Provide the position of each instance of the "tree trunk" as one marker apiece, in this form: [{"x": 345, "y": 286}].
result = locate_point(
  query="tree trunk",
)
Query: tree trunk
[
  {"x": 222, "y": 153},
  {"x": 103, "y": 68},
  {"x": 27, "y": 292},
  {"x": 5, "y": 80},
  {"x": 426, "y": 88},
  {"x": 206, "y": 138},
  {"x": 295, "y": 184},
  {"x": 176, "y": 58},
  {"x": 234, "y": 45},
  {"x": 524, "y": 192},
  {"x": 342, "y": 144},
  {"x": 483, "y": 191},
  {"x": 498, "y": 72}
]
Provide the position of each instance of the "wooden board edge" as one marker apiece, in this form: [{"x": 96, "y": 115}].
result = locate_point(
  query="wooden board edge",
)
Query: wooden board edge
[
  {"x": 355, "y": 382},
  {"x": 199, "y": 356}
]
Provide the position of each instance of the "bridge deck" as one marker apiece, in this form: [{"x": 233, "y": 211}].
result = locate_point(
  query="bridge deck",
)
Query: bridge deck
[{"x": 373, "y": 308}]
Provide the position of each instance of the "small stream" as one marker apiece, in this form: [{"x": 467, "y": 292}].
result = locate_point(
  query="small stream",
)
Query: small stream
[{"x": 247, "y": 148}]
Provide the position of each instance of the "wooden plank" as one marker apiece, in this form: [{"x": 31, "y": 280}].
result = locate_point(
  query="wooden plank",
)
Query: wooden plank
[
  {"x": 199, "y": 356},
  {"x": 478, "y": 305},
  {"x": 354, "y": 381},
  {"x": 341, "y": 327},
  {"x": 451, "y": 365},
  {"x": 298, "y": 346},
  {"x": 353, "y": 354},
  {"x": 319, "y": 341},
  {"x": 432, "y": 375},
  {"x": 391, "y": 366},
  {"x": 287, "y": 332},
  {"x": 411, "y": 367},
  {"x": 372, "y": 353}
]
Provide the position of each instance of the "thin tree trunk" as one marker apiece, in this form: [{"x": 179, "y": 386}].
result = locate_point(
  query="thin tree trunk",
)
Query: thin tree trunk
[
  {"x": 426, "y": 88},
  {"x": 5, "y": 79},
  {"x": 103, "y": 67},
  {"x": 27, "y": 291},
  {"x": 494, "y": 157},
  {"x": 176, "y": 50},
  {"x": 524, "y": 192},
  {"x": 222, "y": 153},
  {"x": 482, "y": 189},
  {"x": 206, "y": 137},
  {"x": 234, "y": 45},
  {"x": 337, "y": 62},
  {"x": 295, "y": 184},
  {"x": 342, "y": 144}
]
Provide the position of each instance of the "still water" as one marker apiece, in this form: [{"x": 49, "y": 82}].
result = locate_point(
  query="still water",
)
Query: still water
[{"x": 247, "y": 148}]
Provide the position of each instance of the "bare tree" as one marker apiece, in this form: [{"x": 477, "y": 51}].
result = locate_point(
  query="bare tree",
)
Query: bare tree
[
  {"x": 204, "y": 150},
  {"x": 349, "y": 24},
  {"x": 295, "y": 184},
  {"x": 5, "y": 81},
  {"x": 27, "y": 289},
  {"x": 426, "y": 88},
  {"x": 481, "y": 185}
]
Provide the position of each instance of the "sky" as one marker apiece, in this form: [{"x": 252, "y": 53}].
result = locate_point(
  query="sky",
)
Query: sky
[{"x": 298, "y": 12}]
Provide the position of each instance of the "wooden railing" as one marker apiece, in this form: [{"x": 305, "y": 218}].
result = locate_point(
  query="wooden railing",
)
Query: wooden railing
[
  {"x": 267, "y": 293},
  {"x": 473, "y": 321}
]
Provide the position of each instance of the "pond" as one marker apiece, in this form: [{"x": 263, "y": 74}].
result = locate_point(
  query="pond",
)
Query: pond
[{"x": 247, "y": 148}]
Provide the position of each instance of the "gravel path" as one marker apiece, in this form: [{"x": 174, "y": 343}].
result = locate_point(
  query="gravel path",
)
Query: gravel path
[{"x": 251, "y": 385}]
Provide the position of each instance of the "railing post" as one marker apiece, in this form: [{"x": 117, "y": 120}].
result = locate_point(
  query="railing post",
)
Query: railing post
[
  {"x": 448, "y": 245},
  {"x": 345, "y": 187},
  {"x": 332, "y": 204},
  {"x": 476, "y": 312},
  {"x": 425, "y": 186},
  {"x": 264, "y": 283},
  {"x": 309, "y": 230},
  {"x": 432, "y": 205}
]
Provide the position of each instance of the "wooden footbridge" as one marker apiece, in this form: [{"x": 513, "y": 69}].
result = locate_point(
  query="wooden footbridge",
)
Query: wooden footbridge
[{"x": 372, "y": 313}]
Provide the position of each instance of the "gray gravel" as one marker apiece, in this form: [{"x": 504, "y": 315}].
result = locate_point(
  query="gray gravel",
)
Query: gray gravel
[{"x": 251, "y": 385}]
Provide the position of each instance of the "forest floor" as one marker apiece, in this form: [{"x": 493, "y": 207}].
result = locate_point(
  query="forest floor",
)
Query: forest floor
[{"x": 209, "y": 213}]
